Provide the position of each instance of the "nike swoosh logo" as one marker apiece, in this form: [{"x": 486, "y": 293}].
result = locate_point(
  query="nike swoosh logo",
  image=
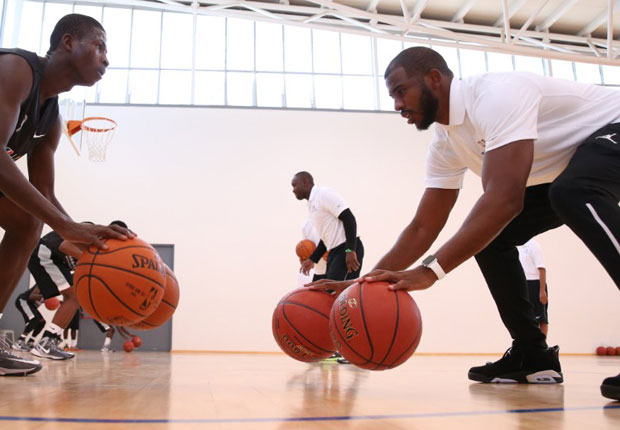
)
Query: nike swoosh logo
[{"x": 36, "y": 136}]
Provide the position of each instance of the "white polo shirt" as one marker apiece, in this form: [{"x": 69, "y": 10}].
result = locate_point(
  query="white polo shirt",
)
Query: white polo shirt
[
  {"x": 325, "y": 206},
  {"x": 491, "y": 110},
  {"x": 309, "y": 232},
  {"x": 531, "y": 258}
]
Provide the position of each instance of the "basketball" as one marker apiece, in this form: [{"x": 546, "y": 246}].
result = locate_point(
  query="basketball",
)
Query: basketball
[
  {"x": 52, "y": 303},
  {"x": 300, "y": 324},
  {"x": 374, "y": 327},
  {"x": 601, "y": 350},
  {"x": 611, "y": 350},
  {"x": 128, "y": 346},
  {"x": 304, "y": 249},
  {"x": 120, "y": 285},
  {"x": 166, "y": 308},
  {"x": 137, "y": 341}
]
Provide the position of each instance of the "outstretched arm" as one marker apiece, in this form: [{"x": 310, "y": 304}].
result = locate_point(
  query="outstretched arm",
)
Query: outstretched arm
[{"x": 504, "y": 178}]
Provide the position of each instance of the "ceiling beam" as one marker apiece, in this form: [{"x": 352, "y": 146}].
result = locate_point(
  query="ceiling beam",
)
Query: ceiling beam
[
  {"x": 599, "y": 20},
  {"x": 372, "y": 6},
  {"x": 555, "y": 15},
  {"x": 465, "y": 7},
  {"x": 417, "y": 10},
  {"x": 512, "y": 9},
  {"x": 532, "y": 17},
  {"x": 403, "y": 8},
  {"x": 334, "y": 16}
]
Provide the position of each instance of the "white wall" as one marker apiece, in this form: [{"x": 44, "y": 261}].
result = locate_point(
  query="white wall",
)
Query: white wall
[{"x": 216, "y": 184}]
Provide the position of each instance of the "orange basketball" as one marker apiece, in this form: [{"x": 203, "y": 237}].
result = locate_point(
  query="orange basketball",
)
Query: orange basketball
[
  {"x": 120, "y": 285},
  {"x": 52, "y": 303},
  {"x": 304, "y": 249},
  {"x": 128, "y": 346},
  {"x": 167, "y": 306},
  {"x": 374, "y": 327},
  {"x": 300, "y": 324}
]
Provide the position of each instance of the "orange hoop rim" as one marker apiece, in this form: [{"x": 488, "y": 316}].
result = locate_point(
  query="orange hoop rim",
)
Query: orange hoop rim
[{"x": 85, "y": 127}]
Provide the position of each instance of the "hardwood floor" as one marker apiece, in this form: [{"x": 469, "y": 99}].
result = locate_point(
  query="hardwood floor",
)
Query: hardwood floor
[{"x": 142, "y": 390}]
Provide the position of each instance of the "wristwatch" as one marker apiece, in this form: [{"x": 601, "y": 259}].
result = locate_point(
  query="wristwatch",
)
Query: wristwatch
[{"x": 431, "y": 262}]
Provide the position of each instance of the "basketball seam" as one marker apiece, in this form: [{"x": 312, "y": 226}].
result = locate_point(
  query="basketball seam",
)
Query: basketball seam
[
  {"x": 119, "y": 300},
  {"x": 299, "y": 333},
  {"x": 163, "y": 287},
  {"x": 416, "y": 339},
  {"x": 90, "y": 295},
  {"x": 119, "y": 249},
  {"x": 372, "y": 347},
  {"x": 387, "y": 353},
  {"x": 307, "y": 307}
]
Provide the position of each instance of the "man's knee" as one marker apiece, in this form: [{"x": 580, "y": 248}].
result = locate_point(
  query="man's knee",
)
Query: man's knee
[{"x": 27, "y": 229}]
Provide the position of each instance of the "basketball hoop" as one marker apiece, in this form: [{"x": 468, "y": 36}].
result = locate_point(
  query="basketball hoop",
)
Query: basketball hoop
[{"x": 97, "y": 132}]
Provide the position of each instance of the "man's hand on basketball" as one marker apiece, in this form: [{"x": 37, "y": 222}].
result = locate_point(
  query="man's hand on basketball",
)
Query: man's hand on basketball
[
  {"x": 419, "y": 278},
  {"x": 352, "y": 262},
  {"x": 306, "y": 266},
  {"x": 92, "y": 234},
  {"x": 328, "y": 284}
]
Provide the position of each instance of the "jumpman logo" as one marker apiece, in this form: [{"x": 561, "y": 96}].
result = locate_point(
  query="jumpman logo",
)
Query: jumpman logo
[{"x": 608, "y": 137}]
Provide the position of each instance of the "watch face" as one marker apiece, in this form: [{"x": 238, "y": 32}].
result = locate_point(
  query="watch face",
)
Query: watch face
[{"x": 428, "y": 260}]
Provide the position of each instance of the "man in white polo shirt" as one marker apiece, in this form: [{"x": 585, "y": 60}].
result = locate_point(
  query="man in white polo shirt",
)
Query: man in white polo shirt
[
  {"x": 336, "y": 226},
  {"x": 548, "y": 153},
  {"x": 533, "y": 262}
]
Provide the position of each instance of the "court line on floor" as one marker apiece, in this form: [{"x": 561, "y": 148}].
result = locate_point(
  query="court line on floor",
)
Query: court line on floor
[{"x": 301, "y": 419}]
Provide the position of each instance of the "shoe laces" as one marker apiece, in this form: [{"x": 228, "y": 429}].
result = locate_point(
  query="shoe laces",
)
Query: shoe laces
[{"x": 5, "y": 348}]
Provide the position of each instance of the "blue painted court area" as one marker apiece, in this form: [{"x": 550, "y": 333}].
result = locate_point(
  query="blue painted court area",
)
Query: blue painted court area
[{"x": 305, "y": 419}]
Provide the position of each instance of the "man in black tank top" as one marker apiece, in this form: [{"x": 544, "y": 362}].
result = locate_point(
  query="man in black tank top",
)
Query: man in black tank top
[{"x": 30, "y": 125}]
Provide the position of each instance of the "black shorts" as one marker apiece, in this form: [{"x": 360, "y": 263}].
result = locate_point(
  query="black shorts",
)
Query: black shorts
[
  {"x": 75, "y": 321},
  {"x": 540, "y": 310},
  {"x": 28, "y": 310},
  {"x": 53, "y": 277},
  {"x": 101, "y": 326},
  {"x": 337, "y": 265}
]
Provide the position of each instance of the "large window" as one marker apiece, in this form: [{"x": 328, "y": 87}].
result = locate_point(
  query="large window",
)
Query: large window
[{"x": 176, "y": 58}]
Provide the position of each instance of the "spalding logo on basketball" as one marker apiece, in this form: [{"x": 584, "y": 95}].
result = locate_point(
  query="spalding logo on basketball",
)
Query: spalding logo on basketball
[
  {"x": 374, "y": 327},
  {"x": 122, "y": 284}
]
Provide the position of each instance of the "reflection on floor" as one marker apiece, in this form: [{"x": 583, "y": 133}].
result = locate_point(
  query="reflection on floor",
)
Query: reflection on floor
[{"x": 271, "y": 391}]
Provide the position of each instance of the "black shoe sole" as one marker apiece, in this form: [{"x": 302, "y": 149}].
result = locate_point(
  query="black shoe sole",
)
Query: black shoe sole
[
  {"x": 24, "y": 372},
  {"x": 517, "y": 378},
  {"x": 611, "y": 392}
]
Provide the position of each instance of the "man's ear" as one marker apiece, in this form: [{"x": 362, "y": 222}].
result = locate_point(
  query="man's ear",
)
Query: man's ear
[
  {"x": 433, "y": 79},
  {"x": 68, "y": 42}
]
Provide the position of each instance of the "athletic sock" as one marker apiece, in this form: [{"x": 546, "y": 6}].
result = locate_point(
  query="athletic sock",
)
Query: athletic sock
[{"x": 107, "y": 342}]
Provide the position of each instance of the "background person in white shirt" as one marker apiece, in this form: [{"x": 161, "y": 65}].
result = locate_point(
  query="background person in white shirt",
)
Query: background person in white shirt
[
  {"x": 548, "y": 153},
  {"x": 336, "y": 226},
  {"x": 318, "y": 272},
  {"x": 533, "y": 262}
]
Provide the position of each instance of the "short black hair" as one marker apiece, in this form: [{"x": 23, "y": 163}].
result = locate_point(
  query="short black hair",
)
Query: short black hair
[
  {"x": 119, "y": 223},
  {"x": 76, "y": 25},
  {"x": 305, "y": 176},
  {"x": 418, "y": 60}
]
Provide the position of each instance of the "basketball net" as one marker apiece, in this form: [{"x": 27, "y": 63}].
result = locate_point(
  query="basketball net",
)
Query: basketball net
[{"x": 97, "y": 133}]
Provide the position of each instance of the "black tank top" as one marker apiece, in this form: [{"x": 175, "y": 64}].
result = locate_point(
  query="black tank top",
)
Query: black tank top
[{"x": 34, "y": 121}]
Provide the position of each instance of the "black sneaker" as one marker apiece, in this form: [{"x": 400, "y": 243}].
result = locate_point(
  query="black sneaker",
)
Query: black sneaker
[
  {"x": 535, "y": 367},
  {"x": 611, "y": 387},
  {"x": 12, "y": 365},
  {"x": 48, "y": 348}
]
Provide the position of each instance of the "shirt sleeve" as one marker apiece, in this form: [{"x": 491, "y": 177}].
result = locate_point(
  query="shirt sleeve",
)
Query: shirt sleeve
[
  {"x": 444, "y": 169},
  {"x": 537, "y": 255},
  {"x": 332, "y": 202},
  {"x": 506, "y": 110}
]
